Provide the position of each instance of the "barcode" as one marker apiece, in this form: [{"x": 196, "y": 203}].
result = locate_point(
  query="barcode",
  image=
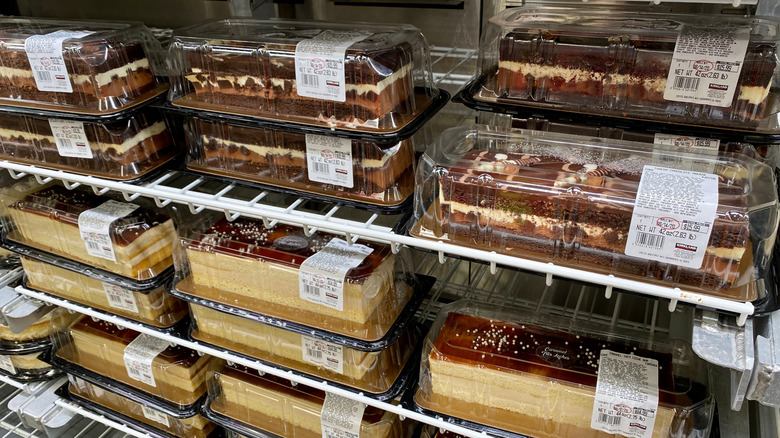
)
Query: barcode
[
  {"x": 612, "y": 420},
  {"x": 115, "y": 299},
  {"x": 43, "y": 76},
  {"x": 134, "y": 372},
  {"x": 310, "y": 80},
  {"x": 64, "y": 142},
  {"x": 686, "y": 83},
  {"x": 92, "y": 245},
  {"x": 313, "y": 290},
  {"x": 321, "y": 167},
  {"x": 651, "y": 240},
  {"x": 317, "y": 354}
]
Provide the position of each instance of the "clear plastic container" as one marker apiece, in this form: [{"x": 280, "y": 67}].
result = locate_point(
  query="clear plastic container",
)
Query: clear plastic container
[
  {"x": 103, "y": 66},
  {"x": 183, "y": 427},
  {"x": 273, "y": 405},
  {"x": 617, "y": 63},
  {"x": 571, "y": 201},
  {"x": 137, "y": 246},
  {"x": 153, "y": 306},
  {"x": 373, "y": 372},
  {"x": 124, "y": 148},
  {"x": 176, "y": 375},
  {"x": 243, "y": 264},
  {"x": 26, "y": 366},
  {"x": 370, "y": 173},
  {"x": 24, "y": 322},
  {"x": 543, "y": 381},
  {"x": 248, "y": 67}
]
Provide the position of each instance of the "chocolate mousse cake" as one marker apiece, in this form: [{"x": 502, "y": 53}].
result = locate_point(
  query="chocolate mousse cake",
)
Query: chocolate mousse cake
[
  {"x": 381, "y": 175},
  {"x": 557, "y": 203},
  {"x": 142, "y": 240},
  {"x": 536, "y": 380},
  {"x": 243, "y": 264},
  {"x": 121, "y": 149},
  {"x": 273, "y": 405},
  {"x": 179, "y": 373}
]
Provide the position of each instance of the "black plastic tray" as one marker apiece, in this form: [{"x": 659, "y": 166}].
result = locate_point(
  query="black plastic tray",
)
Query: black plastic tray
[
  {"x": 10, "y": 348},
  {"x": 95, "y": 118},
  {"x": 421, "y": 285}
]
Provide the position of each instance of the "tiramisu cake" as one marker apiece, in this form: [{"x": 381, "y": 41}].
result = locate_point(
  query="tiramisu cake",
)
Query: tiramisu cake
[
  {"x": 154, "y": 306},
  {"x": 122, "y": 149},
  {"x": 539, "y": 381},
  {"x": 179, "y": 374},
  {"x": 380, "y": 175},
  {"x": 108, "y": 69},
  {"x": 241, "y": 64},
  {"x": 243, "y": 264},
  {"x": 142, "y": 240},
  {"x": 373, "y": 372},
  {"x": 188, "y": 427},
  {"x": 590, "y": 63},
  {"x": 273, "y": 405},
  {"x": 574, "y": 205}
]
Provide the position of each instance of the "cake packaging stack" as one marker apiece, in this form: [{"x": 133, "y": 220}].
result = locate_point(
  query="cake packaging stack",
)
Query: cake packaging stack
[
  {"x": 325, "y": 110},
  {"x": 98, "y": 251},
  {"x": 506, "y": 371},
  {"x": 76, "y": 96},
  {"x": 309, "y": 302}
]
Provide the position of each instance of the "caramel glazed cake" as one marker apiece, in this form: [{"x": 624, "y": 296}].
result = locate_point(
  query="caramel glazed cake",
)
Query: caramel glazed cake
[
  {"x": 575, "y": 71},
  {"x": 590, "y": 227},
  {"x": 478, "y": 366},
  {"x": 378, "y": 85},
  {"x": 99, "y": 71}
]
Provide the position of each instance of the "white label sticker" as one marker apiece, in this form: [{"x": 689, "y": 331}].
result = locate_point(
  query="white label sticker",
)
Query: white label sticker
[
  {"x": 329, "y": 160},
  {"x": 665, "y": 143},
  {"x": 139, "y": 355},
  {"x": 626, "y": 395},
  {"x": 341, "y": 417},
  {"x": 324, "y": 354},
  {"x": 70, "y": 138},
  {"x": 95, "y": 227},
  {"x": 321, "y": 276},
  {"x": 706, "y": 64},
  {"x": 48, "y": 65},
  {"x": 319, "y": 64},
  {"x": 673, "y": 216},
  {"x": 156, "y": 416},
  {"x": 120, "y": 298},
  {"x": 6, "y": 364}
]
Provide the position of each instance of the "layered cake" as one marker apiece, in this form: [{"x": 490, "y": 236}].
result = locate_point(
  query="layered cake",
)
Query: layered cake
[
  {"x": 557, "y": 204},
  {"x": 154, "y": 307},
  {"x": 179, "y": 373},
  {"x": 273, "y": 405},
  {"x": 142, "y": 240},
  {"x": 121, "y": 149},
  {"x": 595, "y": 69},
  {"x": 37, "y": 331},
  {"x": 534, "y": 380},
  {"x": 373, "y": 372},
  {"x": 380, "y": 175},
  {"x": 105, "y": 74},
  {"x": 243, "y": 264},
  {"x": 190, "y": 427},
  {"x": 29, "y": 364}
]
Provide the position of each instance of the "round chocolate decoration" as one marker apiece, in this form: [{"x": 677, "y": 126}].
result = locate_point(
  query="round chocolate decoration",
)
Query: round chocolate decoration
[{"x": 291, "y": 243}]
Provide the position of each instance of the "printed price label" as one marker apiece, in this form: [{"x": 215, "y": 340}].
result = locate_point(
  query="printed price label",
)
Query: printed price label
[
  {"x": 156, "y": 416},
  {"x": 6, "y": 364},
  {"x": 341, "y": 417},
  {"x": 324, "y": 354},
  {"x": 95, "y": 227},
  {"x": 319, "y": 64},
  {"x": 321, "y": 276},
  {"x": 139, "y": 355},
  {"x": 626, "y": 395},
  {"x": 44, "y": 52},
  {"x": 120, "y": 298},
  {"x": 329, "y": 160},
  {"x": 706, "y": 64},
  {"x": 673, "y": 216},
  {"x": 706, "y": 147},
  {"x": 70, "y": 138}
]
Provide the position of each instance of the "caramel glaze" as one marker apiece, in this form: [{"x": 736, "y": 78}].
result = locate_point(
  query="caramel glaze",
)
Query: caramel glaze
[
  {"x": 525, "y": 348},
  {"x": 60, "y": 204}
]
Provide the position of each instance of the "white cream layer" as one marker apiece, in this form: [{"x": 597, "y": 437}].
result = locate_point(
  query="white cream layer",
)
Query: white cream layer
[{"x": 100, "y": 79}]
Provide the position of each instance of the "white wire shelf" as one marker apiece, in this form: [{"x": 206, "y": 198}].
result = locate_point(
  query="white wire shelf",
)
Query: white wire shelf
[{"x": 199, "y": 193}]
